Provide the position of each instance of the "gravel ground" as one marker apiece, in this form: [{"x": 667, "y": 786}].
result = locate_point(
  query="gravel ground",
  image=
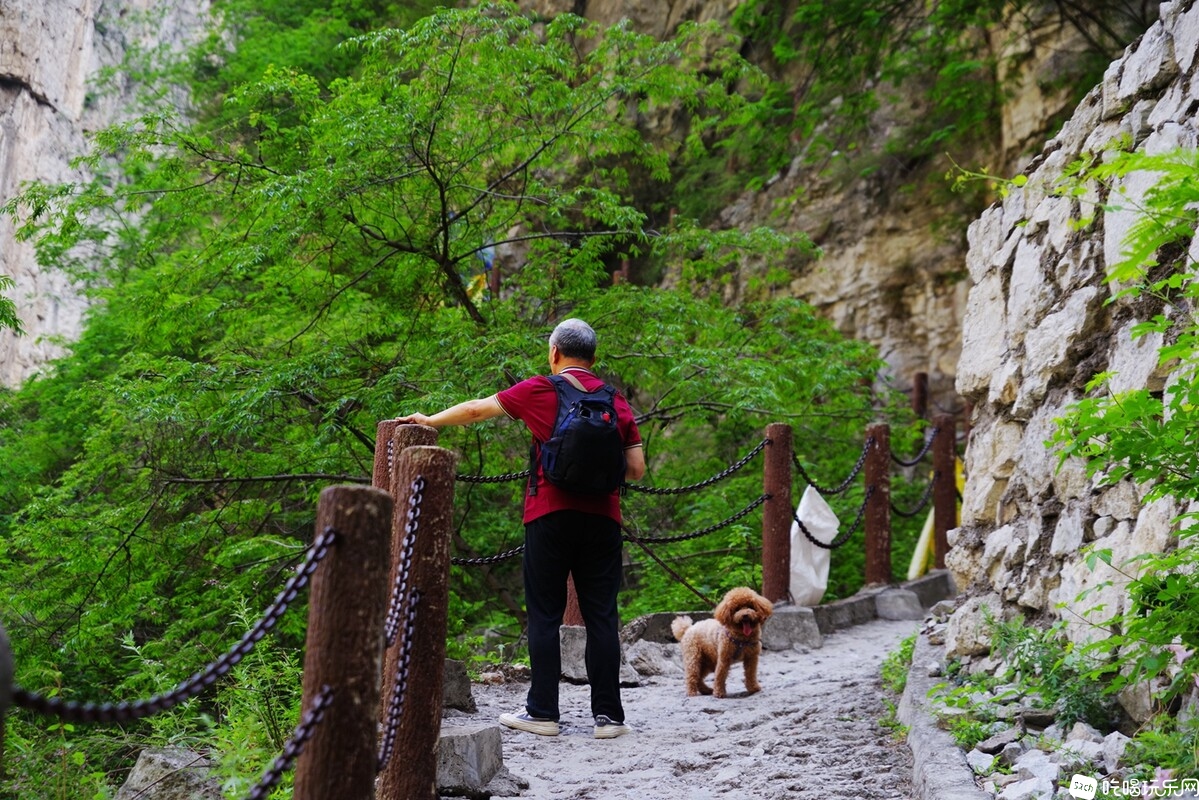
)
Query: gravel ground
[{"x": 811, "y": 733}]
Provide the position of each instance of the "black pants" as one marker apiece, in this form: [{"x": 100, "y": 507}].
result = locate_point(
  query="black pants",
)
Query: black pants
[{"x": 587, "y": 546}]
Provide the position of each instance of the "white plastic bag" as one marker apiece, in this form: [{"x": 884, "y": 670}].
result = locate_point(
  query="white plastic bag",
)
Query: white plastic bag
[{"x": 809, "y": 563}]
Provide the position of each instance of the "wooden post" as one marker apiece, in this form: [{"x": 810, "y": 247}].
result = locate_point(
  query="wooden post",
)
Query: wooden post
[
  {"x": 400, "y": 438},
  {"x": 945, "y": 495},
  {"x": 573, "y": 614},
  {"x": 391, "y": 440},
  {"x": 411, "y": 772},
  {"x": 777, "y": 514},
  {"x": 346, "y": 603},
  {"x": 920, "y": 394},
  {"x": 493, "y": 280},
  {"x": 385, "y": 454},
  {"x": 877, "y": 470}
]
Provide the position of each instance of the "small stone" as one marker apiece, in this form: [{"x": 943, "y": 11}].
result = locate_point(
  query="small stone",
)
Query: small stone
[
  {"x": 1000, "y": 740},
  {"x": 1037, "y": 717},
  {"x": 1011, "y": 753},
  {"x": 980, "y": 762}
]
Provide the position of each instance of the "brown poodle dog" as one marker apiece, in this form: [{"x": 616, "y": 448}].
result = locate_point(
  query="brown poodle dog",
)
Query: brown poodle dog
[{"x": 713, "y": 645}]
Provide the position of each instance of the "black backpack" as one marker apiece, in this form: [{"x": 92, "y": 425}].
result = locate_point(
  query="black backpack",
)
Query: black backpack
[{"x": 585, "y": 453}]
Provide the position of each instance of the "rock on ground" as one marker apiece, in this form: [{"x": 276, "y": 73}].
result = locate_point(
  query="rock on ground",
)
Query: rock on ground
[{"x": 812, "y": 733}]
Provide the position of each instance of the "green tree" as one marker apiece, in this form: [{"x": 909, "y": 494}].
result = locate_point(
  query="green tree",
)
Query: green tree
[{"x": 271, "y": 281}]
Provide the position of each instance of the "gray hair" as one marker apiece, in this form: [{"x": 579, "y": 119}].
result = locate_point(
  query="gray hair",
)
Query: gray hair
[{"x": 574, "y": 338}]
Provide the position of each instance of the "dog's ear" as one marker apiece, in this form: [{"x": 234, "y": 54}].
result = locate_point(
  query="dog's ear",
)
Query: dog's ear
[{"x": 723, "y": 613}]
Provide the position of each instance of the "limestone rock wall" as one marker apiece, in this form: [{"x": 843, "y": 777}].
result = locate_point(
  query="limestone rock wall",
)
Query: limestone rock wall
[
  {"x": 1037, "y": 327},
  {"x": 51, "y": 53}
]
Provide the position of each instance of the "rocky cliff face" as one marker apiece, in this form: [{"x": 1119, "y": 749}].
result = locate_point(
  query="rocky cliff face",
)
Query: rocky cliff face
[
  {"x": 51, "y": 55},
  {"x": 893, "y": 266},
  {"x": 1037, "y": 327}
]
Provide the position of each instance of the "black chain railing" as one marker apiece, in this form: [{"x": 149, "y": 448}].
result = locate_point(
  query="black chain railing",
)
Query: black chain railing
[
  {"x": 710, "y": 529},
  {"x": 395, "y": 707},
  {"x": 507, "y": 476},
  {"x": 732, "y": 469},
  {"x": 294, "y": 746},
  {"x": 634, "y": 487},
  {"x": 399, "y": 591},
  {"x": 843, "y": 485},
  {"x": 928, "y": 444},
  {"x": 70, "y": 711},
  {"x": 497, "y": 558},
  {"x": 841, "y": 538},
  {"x": 928, "y": 493}
]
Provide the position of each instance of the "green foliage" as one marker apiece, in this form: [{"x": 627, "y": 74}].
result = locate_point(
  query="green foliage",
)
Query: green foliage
[
  {"x": 897, "y": 664},
  {"x": 8, "y": 311},
  {"x": 836, "y": 63},
  {"x": 1167, "y": 744},
  {"x": 968, "y": 732},
  {"x": 249, "y": 37},
  {"x": 1044, "y": 664}
]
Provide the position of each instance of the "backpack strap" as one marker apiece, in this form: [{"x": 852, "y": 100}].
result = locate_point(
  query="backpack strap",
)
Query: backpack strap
[{"x": 575, "y": 382}]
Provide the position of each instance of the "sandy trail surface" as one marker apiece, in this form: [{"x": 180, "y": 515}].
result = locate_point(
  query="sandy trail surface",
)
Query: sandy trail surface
[{"x": 812, "y": 732}]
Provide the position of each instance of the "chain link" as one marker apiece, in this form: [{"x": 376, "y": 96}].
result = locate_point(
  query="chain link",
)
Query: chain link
[
  {"x": 633, "y": 487},
  {"x": 928, "y": 493},
  {"x": 928, "y": 443},
  {"x": 416, "y": 496},
  {"x": 710, "y": 529},
  {"x": 841, "y": 487},
  {"x": 470, "y": 562},
  {"x": 295, "y": 745},
  {"x": 507, "y": 476},
  {"x": 70, "y": 711},
  {"x": 395, "y": 708}
]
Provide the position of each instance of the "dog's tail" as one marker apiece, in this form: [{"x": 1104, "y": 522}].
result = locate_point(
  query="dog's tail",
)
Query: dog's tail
[{"x": 679, "y": 626}]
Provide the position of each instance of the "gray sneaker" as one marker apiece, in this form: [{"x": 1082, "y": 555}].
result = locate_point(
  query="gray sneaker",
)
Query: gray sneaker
[
  {"x": 524, "y": 721},
  {"x": 607, "y": 729}
]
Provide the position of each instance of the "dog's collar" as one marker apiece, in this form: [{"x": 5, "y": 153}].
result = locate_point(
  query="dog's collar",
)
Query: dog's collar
[{"x": 740, "y": 644}]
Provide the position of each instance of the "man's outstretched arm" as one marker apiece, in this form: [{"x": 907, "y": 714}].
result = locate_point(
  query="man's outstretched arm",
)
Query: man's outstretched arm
[{"x": 464, "y": 413}]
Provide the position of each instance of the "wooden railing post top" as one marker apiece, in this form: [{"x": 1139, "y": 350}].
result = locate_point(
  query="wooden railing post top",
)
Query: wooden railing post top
[
  {"x": 353, "y": 493},
  {"x": 778, "y": 429}
]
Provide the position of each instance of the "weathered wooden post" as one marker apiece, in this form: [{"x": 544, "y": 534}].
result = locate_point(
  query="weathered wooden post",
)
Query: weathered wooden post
[
  {"x": 424, "y": 478},
  {"x": 777, "y": 514},
  {"x": 390, "y": 440},
  {"x": 493, "y": 280},
  {"x": 398, "y": 439},
  {"x": 945, "y": 494},
  {"x": 385, "y": 454},
  {"x": 573, "y": 614},
  {"x": 346, "y": 604},
  {"x": 920, "y": 394},
  {"x": 877, "y": 470}
]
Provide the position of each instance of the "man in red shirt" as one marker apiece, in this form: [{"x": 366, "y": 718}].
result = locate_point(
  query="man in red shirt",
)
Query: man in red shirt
[{"x": 565, "y": 534}]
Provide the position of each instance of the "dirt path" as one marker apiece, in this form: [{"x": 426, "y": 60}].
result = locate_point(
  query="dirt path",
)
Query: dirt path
[{"x": 812, "y": 733}]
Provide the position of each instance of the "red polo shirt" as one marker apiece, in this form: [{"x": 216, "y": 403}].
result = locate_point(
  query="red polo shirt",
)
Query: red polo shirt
[{"x": 535, "y": 403}]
